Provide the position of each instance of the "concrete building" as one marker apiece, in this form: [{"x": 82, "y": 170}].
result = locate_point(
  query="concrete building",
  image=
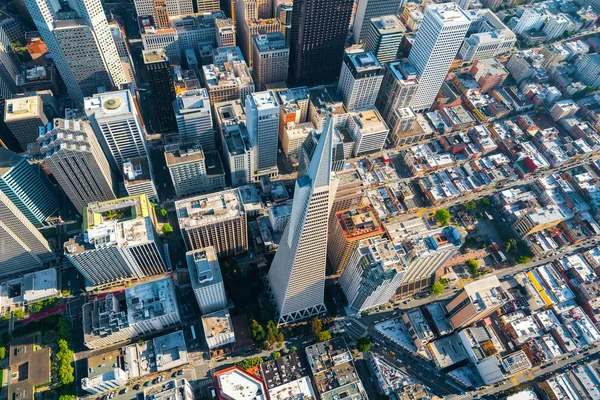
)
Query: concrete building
[
  {"x": 217, "y": 220},
  {"x": 563, "y": 108},
  {"x": 228, "y": 81},
  {"x": 149, "y": 307},
  {"x": 234, "y": 383},
  {"x": 366, "y": 10},
  {"x": 270, "y": 55},
  {"x": 368, "y": 129},
  {"x": 137, "y": 178},
  {"x": 318, "y": 39},
  {"x": 293, "y": 104},
  {"x": 487, "y": 37},
  {"x": 397, "y": 90},
  {"x": 72, "y": 153},
  {"x": 292, "y": 138},
  {"x": 105, "y": 382},
  {"x": 118, "y": 126},
  {"x": 119, "y": 242},
  {"x": 360, "y": 79},
  {"x": 189, "y": 168},
  {"x": 347, "y": 229},
  {"x": 556, "y": 25},
  {"x": 374, "y": 271},
  {"x": 475, "y": 301},
  {"x": 206, "y": 279},
  {"x": 28, "y": 190},
  {"x": 436, "y": 44},
  {"x": 25, "y": 248},
  {"x": 174, "y": 8},
  {"x": 284, "y": 16},
  {"x": 23, "y": 116},
  {"x": 587, "y": 69},
  {"x": 530, "y": 221},
  {"x": 176, "y": 389},
  {"x": 531, "y": 19},
  {"x": 297, "y": 274},
  {"x": 253, "y": 17},
  {"x": 427, "y": 250},
  {"x": 29, "y": 289},
  {"x": 385, "y": 35},
  {"x": 262, "y": 121},
  {"x": 158, "y": 72},
  {"x": 218, "y": 329},
  {"x": 194, "y": 118},
  {"x": 489, "y": 74},
  {"x": 72, "y": 34},
  {"x": 411, "y": 16}
]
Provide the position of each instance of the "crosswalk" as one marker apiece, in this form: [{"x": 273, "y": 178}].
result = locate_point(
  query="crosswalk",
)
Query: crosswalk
[{"x": 355, "y": 328}]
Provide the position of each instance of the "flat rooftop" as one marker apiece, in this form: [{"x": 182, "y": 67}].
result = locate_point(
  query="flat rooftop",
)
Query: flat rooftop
[
  {"x": 269, "y": 41},
  {"x": 388, "y": 24},
  {"x": 109, "y": 104},
  {"x": 447, "y": 351},
  {"x": 209, "y": 209},
  {"x": 217, "y": 323},
  {"x": 154, "y": 56},
  {"x": 204, "y": 267},
  {"x": 448, "y": 13},
  {"x": 486, "y": 292},
  {"x": 287, "y": 369},
  {"x": 357, "y": 222},
  {"x": 21, "y": 108},
  {"x": 183, "y": 153},
  {"x": 369, "y": 121},
  {"x": 136, "y": 171},
  {"x": 150, "y": 300},
  {"x": 263, "y": 100},
  {"x": 236, "y": 384},
  {"x": 364, "y": 61}
]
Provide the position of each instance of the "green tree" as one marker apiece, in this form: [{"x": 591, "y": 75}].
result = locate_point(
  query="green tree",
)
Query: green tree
[
  {"x": 35, "y": 307},
  {"x": 363, "y": 344},
  {"x": 67, "y": 397},
  {"x": 19, "y": 314},
  {"x": 65, "y": 368},
  {"x": 523, "y": 259},
  {"x": 2, "y": 352},
  {"x": 473, "y": 266},
  {"x": 163, "y": 212},
  {"x": 257, "y": 331},
  {"x": 470, "y": 205},
  {"x": 293, "y": 349},
  {"x": 443, "y": 216},
  {"x": 249, "y": 362},
  {"x": 437, "y": 288},
  {"x": 275, "y": 355},
  {"x": 323, "y": 336},
  {"x": 167, "y": 229},
  {"x": 485, "y": 202},
  {"x": 316, "y": 325},
  {"x": 280, "y": 338}
]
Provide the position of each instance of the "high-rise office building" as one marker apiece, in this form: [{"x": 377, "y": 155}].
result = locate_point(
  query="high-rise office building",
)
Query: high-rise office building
[
  {"x": 396, "y": 93},
  {"x": 368, "y": 130},
  {"x": 360, "y": 79},
  {"x": 194, "y": 118},
  {"x": 284, "y": 16},
  {"x": 119, "y": 242},
  {"x": 385, "y": 35},
  {"x": 228, "y": 78},
  {"x": 271, "y": 59},
  {"x": 137, "y": 178},
  {"x": 587, "y": 69},
  {"x": 22, "y": 246},
  {"x": 10, "y": 66},
  {"x": 347, "y": 228},
  {"x": 78, "y": 37},
  {"x": 26, "y": 189},
  {"x": 190, "y": 169},
  {"x": 317, "y": 40},
  {"x": 369, "y": 9},
  {"x": 427, "y": 250},
  {"x": 23, "y": 116},
  {"x": 375, "y": 270},
  {"x": 531, "y": 19},
  {"x": 70, "y": 150},
  {"x": 438, "y": 39},
  {"x": 206, "y": 279},
  {"x": 297, "y": 274},
  {"x": 159, "y": 76},
  {"x": 118, "y": 126},
  {"x": 217, "y": 220},
  {"x": 475, "y": 301},
  {"x": 174, "y": 8},
  {"x": 253, "y": 17},
  {"x": 262, "y": 120}
]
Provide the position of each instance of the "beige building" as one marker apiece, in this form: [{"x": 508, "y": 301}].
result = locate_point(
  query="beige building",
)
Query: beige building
[
  {"x": 347, "y": 229},
  {"x": 476, "y": 301},
  {"x": 535, "y": 220},
  {"x": 349, "y": 192},
  {"x": 270, "y": 55},
  {"x": 24, "y": 116},
  {"x": 216, "y": 219},
  {"x": 192, "y": 170},
  {"x": 292, "y": 137},
  {"x": 227, "y": 81}
]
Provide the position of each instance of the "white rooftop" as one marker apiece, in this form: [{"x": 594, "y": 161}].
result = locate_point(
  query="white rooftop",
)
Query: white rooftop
[
  {"x": 236, "y": 384},
  {"x": 209, "y": 209},
  {"x": 150, "y": 300},
  {"x": 108, "y": 104}
]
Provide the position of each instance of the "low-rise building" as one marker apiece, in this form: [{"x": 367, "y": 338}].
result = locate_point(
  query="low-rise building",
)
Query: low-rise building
[
  {"x": 236, "y": 384},
  {"x": 176, "y": 389},
  {"x": 29, "y": 289},
  {"x": 218, "y": 329}
]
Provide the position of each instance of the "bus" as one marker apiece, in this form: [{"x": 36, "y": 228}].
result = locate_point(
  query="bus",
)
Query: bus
[{"x": 193, "y": 332}]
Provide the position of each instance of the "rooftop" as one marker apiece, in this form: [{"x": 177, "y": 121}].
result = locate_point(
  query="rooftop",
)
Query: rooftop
[
  {"x": 269, "y": 41},
  {"x": 368, "y": 121},
  {"x": 486, "y": 293},
  {"x": 448, "y": 13},
  {"x": 357, "y": 222},
  {"x": 388, "y": 24},
  {"x": 109, "y": 103},
  {"x": 236, "y": 384},
  {"x": 363, "y": 61},
  {"x": 136, "y": 170},
  {"x": 285, "y": 370},
  {"x": 204, "y": 267},
  {"x": 21, "y": 108},
  {"x": 183, "y": 153},
  {"x": 154, "y": 56},
  {"x": 209, "y": 209},
  {"x": 217, "y": 323},
  {"x": 150, "y": 300},
  {"x": 263, "y": 101}
]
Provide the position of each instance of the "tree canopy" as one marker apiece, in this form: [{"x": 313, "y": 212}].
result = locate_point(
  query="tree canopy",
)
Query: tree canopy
[
  {"x": 437, "y": 288},
  {"x": 363, "y": 344},
  {"x": 323, "y": 336},
  {"x": 443, "y": 216}
]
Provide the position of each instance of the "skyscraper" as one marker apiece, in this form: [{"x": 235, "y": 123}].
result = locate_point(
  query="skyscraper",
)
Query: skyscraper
[
  {"x": 271, "y": 59},
  {"x": 253, "y": 17},
  {"x": 71, "y": 152},
  {"x": 438, "y": 39},
  {"x": 174, "y": 8},
  {"x": 317, "y": 39},
  {"x": 284, "y": 16},
  {"x": 262, "y": 120},
  {"x": 158, "y": 71},
  {"x": 360, "y": 79},
  {"x": 368, "y": 9},
  {"x": 118, "y": 126},
  {"x": 25, "y": 188},
  {"x": 22, "y": 247},
  {"x": 79, "y": 40},
  {"x": 397, "y": 90},
  {"x": 206, "y": 279},
  {"x": 23, "y": 116},
  {"x": 385, "y": 35},
  {"x": 194, "y": 119},
  {"x": 119, "y": 243},
  {"x": 297, "y": 274}
]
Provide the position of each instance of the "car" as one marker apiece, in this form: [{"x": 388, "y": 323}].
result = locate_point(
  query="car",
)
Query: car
[
  {"x": 136, "y": 387},
  {"x": 162, "y": 378},
  {"x": 105, "y": 397},
  {"x": 180, "y": 372},
  {"x": 110, "y": 396},
  {"x": 174, "y": 374}
]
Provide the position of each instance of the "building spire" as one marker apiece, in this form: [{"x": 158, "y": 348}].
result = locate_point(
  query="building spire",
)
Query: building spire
[{"x": 319, "y": 169}]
